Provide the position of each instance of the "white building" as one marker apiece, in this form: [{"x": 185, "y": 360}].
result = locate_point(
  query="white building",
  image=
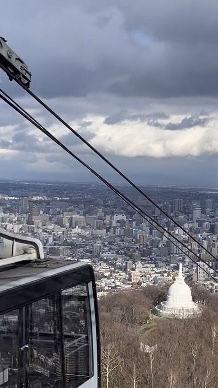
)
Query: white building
[
  {"x": 119, "y": 217},
  {"x": 202, "y": 271},
  {"x": 196, "y": 213},
  {"x": 179, "y": 303}
]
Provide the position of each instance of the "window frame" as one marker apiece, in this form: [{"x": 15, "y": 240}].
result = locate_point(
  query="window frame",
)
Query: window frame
[
  {"x": 27, "y": 291},
  {"x": 20, "y": 295}
]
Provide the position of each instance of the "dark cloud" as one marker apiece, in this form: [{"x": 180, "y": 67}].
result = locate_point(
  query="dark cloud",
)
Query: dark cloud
[
  {"x": 115, "y": 60},
  {"x": 179, "y": 21},
  {"x": 155, "y": 123},
  {"x": 152, "y": 119},
  {"x": 124, "y": 116},
  {"x": 172, "y": 81},
  {"x": 156, "y": 115},
  {"x": 117, "y": 47},
  {"x": 188, "y": 122},
  {"x": 144, "y": 170},
  {"x": 185, "y": 123},
  {"x": 115, "y": 118},
  {"x": 27, "y": 142}
]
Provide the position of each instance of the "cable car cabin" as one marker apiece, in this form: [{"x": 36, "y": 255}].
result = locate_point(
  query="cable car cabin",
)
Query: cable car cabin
[
  {"x": 49, "y": 333},
  {"x": 13, "y": 65}
]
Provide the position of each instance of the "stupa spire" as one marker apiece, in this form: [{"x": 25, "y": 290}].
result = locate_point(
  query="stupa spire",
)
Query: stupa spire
[{"x": 180, "y": 271}]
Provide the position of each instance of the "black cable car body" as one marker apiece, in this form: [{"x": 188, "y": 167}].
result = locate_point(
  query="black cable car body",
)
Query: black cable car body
[{"x": 49, "y": 326}]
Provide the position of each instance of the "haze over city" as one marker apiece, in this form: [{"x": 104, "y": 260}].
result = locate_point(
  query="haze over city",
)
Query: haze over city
[{"x": 140, "y": 83}]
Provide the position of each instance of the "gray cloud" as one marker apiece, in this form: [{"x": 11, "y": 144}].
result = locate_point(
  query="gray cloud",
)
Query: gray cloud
[
  {"x": 117, "y": 61},
  {"x": 121, "y": 116},
  {"x": 5, "y": 144},
  {"x": 7, "y": 116},
  {"x": 71, "y": 140},
  {"x": 185, "y": 123},
  {"x": 117, "y": 47},
  {"x": 27, "y": 142},
  {"x": 188, "y": 122},
  {"x": 143, "y": 170},
  {"x": 115, "y": 118},
  {"x": 28, "y": 157},
  {"x": 153, "y": 119}
]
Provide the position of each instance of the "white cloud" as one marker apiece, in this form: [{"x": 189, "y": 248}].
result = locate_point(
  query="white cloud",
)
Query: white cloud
[
  {"x": 129, "y": 138},
  {"x": 139, "y": 139}
]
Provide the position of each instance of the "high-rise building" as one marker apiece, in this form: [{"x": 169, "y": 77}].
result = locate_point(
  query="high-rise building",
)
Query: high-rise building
[
  {"x": 157, "y": 212},
  {"x": 214, "y": 248},
  {"x": 142, "y": 239},
  {"x": 167, "y": 208},
  {"x": 178, "y": 205},
  {"x": 216, "y": 228},
  {"x": 174, "y": 248},
  {"x": 90, "y": 220},
  {"x": 196, "y": 213},
  {"x": 97, "y": 249},
  {"x": 77, "y": 220},
  {"x": 156, "y": 233},
  {"x": 209, "y": 204},
  {"x": 24, "y": 205},
  {"x": 33, "y": 211},
  {"x": 202, "y": 271}
]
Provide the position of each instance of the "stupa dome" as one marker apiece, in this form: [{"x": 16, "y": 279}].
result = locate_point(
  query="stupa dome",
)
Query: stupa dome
[
  {"x": 179, "y": 301},
  {"x": 179, "y": 293}
]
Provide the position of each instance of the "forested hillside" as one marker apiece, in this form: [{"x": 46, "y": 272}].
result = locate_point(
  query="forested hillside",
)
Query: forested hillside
[{"x": 186, "y": 355}]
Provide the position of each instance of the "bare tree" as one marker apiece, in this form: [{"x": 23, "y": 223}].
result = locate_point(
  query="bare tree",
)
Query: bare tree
[
  {"x": 134, "y": 377},
  {"x": 111, "y": 361},
  {"x": 214, "y": 335},
  {"x": 206, "y": 379},
  {"x": 194, "y": 352},
  {"x": 150, "y": 350},
  {"x": 172, "y": 378}
]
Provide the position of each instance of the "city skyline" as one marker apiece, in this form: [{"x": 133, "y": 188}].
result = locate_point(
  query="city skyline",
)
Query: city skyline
[{"x": 89, "y": 222}]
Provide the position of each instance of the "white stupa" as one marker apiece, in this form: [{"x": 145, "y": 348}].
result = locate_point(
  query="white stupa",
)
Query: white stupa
[{"x": 179, "y": 303}]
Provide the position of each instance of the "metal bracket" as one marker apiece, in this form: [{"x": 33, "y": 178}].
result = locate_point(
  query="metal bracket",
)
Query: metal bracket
[{"x": 17, "y": 245}]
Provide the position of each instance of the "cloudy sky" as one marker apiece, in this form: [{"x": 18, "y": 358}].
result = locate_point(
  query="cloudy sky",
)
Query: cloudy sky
[{"x": 139, "y": 80}]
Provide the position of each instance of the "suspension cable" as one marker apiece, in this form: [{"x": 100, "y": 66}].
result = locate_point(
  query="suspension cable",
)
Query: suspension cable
[
  {"x": 151, "y": 221},
  {"x": 107, "y": 161}
]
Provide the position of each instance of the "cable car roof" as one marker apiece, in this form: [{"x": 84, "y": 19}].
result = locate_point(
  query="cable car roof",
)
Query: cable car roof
[{"x": 33, "y": 272}]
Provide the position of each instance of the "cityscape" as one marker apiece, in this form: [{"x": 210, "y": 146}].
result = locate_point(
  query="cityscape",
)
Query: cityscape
[
  {"x": 108, "y": 194},
  {"x": 88, "y": 223}
]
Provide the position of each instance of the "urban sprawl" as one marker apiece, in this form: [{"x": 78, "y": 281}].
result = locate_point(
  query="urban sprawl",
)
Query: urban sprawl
[{"x": 88, "y": 222}]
